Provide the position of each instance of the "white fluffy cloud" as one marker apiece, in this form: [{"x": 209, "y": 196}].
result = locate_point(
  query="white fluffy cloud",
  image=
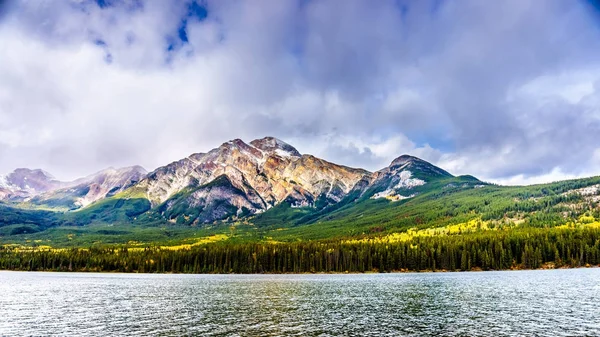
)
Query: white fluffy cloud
[{"x": 505, "y": 91}]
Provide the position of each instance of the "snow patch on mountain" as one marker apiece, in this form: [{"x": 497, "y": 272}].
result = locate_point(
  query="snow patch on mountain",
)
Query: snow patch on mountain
[
  {"x": 390, "y": 194},
  {"x": 284, "y": 153},
  {"x": 383, "y": 194},
  {"x": 407, "y": 182},
  {"x": 3, "y": 181}
]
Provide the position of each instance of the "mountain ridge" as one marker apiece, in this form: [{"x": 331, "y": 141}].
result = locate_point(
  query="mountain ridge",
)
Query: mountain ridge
[{"x": 258, "y": 175}]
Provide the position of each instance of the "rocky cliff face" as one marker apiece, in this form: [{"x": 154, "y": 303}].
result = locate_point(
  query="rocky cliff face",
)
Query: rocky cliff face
[{"x": 259, "y": 175}]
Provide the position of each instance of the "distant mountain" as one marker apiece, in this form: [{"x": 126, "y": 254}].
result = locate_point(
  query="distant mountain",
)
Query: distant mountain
[
  {"x": 39, "y": 188},
  {"x": 23, "y": 183},
  {"x": 84, "y": 191}
]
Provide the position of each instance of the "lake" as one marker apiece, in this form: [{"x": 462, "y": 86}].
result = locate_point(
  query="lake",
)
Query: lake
[{"x": 540, "y": 303}]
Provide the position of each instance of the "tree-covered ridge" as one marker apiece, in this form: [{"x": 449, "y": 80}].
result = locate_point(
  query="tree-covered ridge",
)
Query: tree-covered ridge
[
  {"x": 452, "y": 225},
  {"x": 489, "y": 250},
  {"x": 448, "y": 202}
]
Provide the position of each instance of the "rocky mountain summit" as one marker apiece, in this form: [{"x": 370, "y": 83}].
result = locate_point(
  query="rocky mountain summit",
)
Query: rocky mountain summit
[{"x": 241, "y": 178}]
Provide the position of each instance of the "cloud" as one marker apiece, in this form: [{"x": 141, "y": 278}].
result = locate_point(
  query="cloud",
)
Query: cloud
[{"x": 504, "y": 91}]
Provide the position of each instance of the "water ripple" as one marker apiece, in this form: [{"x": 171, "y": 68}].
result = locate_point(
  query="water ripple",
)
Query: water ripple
[{"x": 523, "y": 303}]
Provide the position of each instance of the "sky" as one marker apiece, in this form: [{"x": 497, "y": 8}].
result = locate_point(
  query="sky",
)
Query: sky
[{"x": 507, "y": 91}]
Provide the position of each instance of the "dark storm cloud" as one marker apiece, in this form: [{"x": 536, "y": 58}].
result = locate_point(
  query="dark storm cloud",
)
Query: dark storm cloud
[{"x": 503, "y": 90}]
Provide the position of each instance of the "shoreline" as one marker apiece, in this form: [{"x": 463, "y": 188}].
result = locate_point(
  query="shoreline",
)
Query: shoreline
[{"x": 475, "y": 270}]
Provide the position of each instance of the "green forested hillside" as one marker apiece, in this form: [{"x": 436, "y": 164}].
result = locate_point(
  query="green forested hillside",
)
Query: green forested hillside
[
  {"x": 448, "y": 201},
  {"x": 453, "y": 223}
]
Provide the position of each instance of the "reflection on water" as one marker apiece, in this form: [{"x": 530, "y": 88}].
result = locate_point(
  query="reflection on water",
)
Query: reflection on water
[{"x": 547, "y": 303}]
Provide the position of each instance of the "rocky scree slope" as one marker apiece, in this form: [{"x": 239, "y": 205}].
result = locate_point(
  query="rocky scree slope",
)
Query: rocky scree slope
[{"x": 239, "y": 179}]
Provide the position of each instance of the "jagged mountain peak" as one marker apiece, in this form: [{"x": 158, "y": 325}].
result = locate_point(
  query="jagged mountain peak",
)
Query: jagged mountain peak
[
  {"x": 38, "y": 172},
  {"x": 234, "y": 143},
  {"x": 239, "y": 145},
  {"x": 257, "y": 150},
  {"x": 274, "y": 145},
  {"x": 268, "y": 171}
]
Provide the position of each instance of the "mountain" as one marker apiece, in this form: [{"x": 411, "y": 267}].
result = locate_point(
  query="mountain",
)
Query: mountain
[
  {"x": 84, "y": 191},
  {"x": 242, "y": 179},
  {"x": 236, "y": 180},
  {"x": 267, "y": 189},
  {"x": 23, "y": 182},
  {"x": 405, "y": 179},
  {"x": 239, "y": 180},
  {"x": 401, "y": 178},
  {"x": 40, "y": 189}
]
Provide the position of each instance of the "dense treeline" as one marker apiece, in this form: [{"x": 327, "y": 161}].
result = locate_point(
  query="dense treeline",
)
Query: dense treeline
[{"x": 490, "y": 250}]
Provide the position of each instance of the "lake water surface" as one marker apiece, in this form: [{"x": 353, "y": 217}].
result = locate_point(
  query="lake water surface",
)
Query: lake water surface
[{"x": 536, "y": 303}]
